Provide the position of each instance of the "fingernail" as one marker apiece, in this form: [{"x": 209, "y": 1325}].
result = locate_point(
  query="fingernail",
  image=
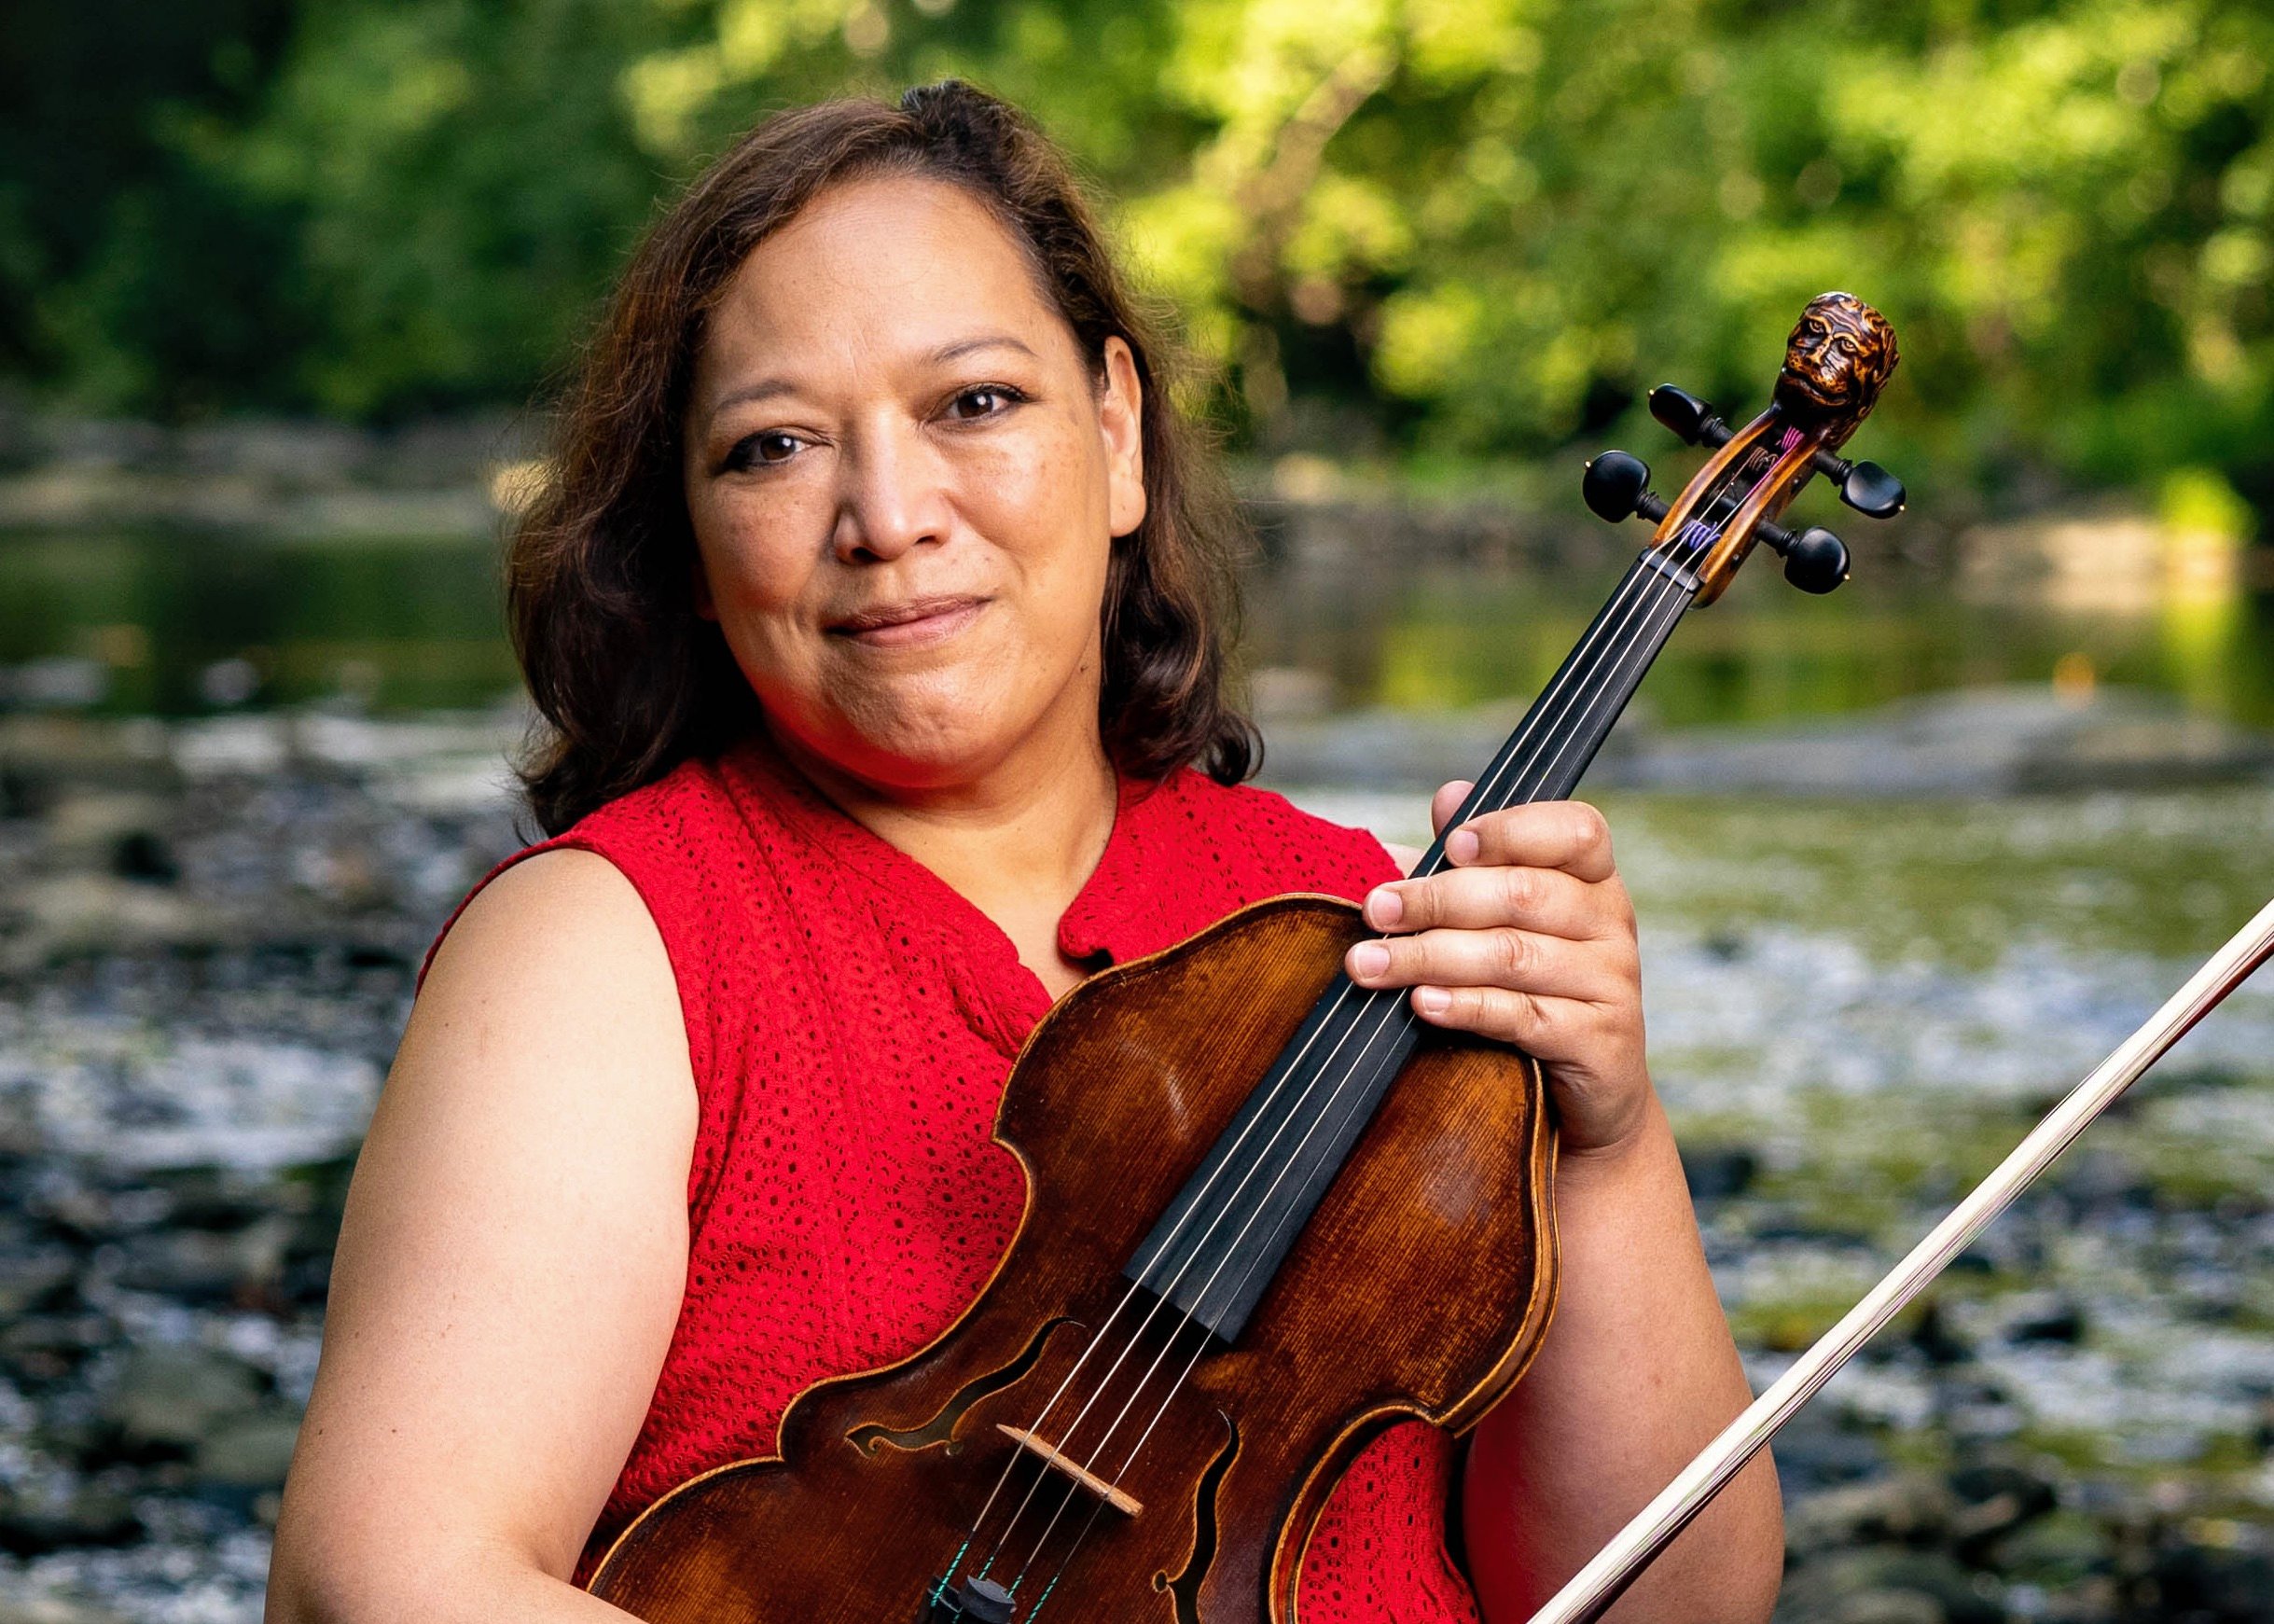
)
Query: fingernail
[
  {"x": 1461, "y": 845},
  {"x": 1369, "y": 960},
  {"x": 1432, "y": 1000},
  {"x": 1384, "y": 907}
]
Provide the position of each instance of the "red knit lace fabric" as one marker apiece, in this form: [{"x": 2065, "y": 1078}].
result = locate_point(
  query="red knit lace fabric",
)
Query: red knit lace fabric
[{"x": 851, "y": 1019}]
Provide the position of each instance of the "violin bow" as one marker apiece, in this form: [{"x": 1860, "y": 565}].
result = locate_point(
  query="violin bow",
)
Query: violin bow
[{"x": 1592, "y": 1591}]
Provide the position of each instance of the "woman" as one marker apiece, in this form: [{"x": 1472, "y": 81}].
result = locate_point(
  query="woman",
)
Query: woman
[{"x": 874, "y": 610}]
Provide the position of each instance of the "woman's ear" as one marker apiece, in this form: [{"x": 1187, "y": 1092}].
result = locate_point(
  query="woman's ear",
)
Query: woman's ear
[{"x": 1121, "y": 420}]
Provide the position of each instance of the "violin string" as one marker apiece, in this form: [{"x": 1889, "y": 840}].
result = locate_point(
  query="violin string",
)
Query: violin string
[
  {"x": 1390, "y": 1019},
  {"x": 1290, "y": 1163},
  {"x": 1697, "y": 535},
  {"x": 1392, "y": 1016},
  {"x": 1656, "y": 621},
  {"x": 1175, "y": 1387},
  {"x": 1636, "y": 597},
  {"x": 1634, "y": 594}
]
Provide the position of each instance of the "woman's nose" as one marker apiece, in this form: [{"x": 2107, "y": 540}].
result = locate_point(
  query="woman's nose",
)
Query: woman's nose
[{"x": 893, "y": 496}]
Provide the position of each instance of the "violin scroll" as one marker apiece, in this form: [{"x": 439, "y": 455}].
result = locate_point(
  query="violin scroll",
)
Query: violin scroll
[{"x": 1838, "y": 358}]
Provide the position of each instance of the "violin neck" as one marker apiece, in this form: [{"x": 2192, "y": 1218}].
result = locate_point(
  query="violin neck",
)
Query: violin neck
[{"x": 1545, "y": 759}]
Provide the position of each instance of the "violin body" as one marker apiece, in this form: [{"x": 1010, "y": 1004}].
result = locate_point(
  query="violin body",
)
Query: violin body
[{"x": 1420, "y": 1287}]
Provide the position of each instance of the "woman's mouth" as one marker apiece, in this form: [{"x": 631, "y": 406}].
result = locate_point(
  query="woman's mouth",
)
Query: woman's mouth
[{"x": 911, "y": 622}]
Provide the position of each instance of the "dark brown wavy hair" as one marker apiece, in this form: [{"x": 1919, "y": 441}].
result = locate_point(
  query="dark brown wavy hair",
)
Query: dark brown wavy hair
[{"x": 629, "y": 680}]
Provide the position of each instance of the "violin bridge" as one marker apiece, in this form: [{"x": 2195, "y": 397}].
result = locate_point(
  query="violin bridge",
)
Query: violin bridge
[{"x": 1096, "y": 1485}]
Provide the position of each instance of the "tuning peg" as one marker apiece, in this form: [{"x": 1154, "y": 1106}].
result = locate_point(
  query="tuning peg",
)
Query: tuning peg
[
  {"x": 1866, "y": 487},
  {"x": 1692, "y": 420},
  {"x": 1616, "y": 486},
  {"x": 1815, "y": 560},
  {"x": 1872, "y": 490}
]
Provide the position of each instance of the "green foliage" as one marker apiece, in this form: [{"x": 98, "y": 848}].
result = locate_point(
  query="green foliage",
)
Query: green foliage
[
  {"x": 125, "y": 271},
  {"x": 1413, "y": 231},
  {"x": 466, "y": 178}
]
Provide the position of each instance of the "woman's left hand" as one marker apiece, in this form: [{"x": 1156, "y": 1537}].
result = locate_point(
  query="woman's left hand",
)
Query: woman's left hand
[{"x": 1528, "y": 937}]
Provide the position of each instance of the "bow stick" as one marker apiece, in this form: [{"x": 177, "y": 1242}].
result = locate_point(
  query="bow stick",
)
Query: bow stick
[{"x": 1605, "y": 1579}]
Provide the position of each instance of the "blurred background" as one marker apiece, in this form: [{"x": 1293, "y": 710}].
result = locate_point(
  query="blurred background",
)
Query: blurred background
[{"x": 282, "y": 284}]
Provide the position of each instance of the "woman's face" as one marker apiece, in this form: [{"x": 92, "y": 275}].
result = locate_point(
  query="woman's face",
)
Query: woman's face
[{"x": 904, "y": 482}]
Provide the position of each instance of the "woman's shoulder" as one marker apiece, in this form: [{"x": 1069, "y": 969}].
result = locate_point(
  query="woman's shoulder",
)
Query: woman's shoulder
[
  {"x": 650, "y": 852},
  {"x": 549, "y": 902}
]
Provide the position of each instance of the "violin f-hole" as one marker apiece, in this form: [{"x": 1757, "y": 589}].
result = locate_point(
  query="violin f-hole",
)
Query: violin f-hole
[
  {"x": 941, "y": 1427},
  {"x": 1185, "y": 1589}
]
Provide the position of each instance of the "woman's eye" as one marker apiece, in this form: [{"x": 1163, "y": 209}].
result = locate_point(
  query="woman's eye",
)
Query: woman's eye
[
  {"x": 763, "y": 449},
  {"x": 995, "y": 398}
]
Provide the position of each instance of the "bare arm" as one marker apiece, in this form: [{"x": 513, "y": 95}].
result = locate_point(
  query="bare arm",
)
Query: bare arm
[
  {"x": 509, "y": 1269},
  {"x": 1530, "y": 939}
]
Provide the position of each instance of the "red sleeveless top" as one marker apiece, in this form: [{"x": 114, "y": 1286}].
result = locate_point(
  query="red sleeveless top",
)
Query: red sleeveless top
[{"x": 851, "y": 1019}]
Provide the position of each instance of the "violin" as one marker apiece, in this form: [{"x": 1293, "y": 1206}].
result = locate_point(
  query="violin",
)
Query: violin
[{"x": 1269, "y": 1212}]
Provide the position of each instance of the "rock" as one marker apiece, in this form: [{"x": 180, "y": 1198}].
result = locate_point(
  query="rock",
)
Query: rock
[
  {"x": 250, "y": 1451},
  {"x": 2022, "y": 739},
  {"x": 85, "y": 828},
  {"x": 171, "y": 1397},
  {"x": 199, "y": 1266},
  {"x": 99, "y": 914},
  {"x": 1910, "y": 1509},
  {"x": 39, "y": 1348},
  {"x": 1993, "y": 1501},
  {"x": 1889, "y": 1607},
  {"x": 2058, "y": 1320},
  {"x": 1816, "y": 1451},
  {"x": 54, "y": 1610},
  {"x": 144, "y": 857},
  {"x": 1716, "y": 1173},
  {"x": 189, "y": 1264},
  {"x": 2227, "y": 1587},
  {"x": 29, "y": 1280},
  {"x": 2097, "y": 1175},
  {"x": 33, "y": 1525},
  {"x": 1936, "y": 1339},
  {"x": 2060, "y": 1550},
  {"x": 212, "y": 1198},
  {"x": 1886, "y": 1586}
]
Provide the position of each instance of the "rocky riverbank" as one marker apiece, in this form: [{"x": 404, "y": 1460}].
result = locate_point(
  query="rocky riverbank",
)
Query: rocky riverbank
[
  {"x": 205, "y": 959},
  {"x": 208, "y": 933}
]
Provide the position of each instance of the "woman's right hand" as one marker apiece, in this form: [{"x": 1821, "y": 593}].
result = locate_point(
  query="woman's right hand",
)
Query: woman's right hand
[{"x": 509, "y": 1267}]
